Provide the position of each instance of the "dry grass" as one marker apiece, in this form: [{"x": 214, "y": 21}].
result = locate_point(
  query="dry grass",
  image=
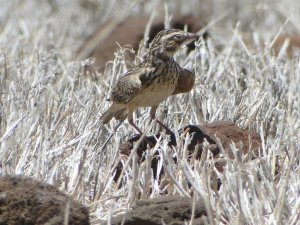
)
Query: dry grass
[{"x": 49, "y": 111}]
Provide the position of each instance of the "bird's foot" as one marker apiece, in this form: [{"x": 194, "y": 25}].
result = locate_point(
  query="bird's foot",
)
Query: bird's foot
[{"x": 147, "y": 139}]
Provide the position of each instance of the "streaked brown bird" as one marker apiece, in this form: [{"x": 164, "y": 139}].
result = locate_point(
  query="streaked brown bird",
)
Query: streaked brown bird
[{"x": 156, "y": 78}]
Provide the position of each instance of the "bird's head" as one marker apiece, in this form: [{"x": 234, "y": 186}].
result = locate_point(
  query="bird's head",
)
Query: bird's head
[{"x": 168, "y": 42}]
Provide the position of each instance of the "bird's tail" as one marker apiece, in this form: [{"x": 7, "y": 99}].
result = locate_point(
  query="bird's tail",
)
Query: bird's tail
[{"x": 113, "y": 110}]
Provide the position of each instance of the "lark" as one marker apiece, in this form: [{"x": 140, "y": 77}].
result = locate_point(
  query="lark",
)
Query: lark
[{"x": 156, "y": 78}]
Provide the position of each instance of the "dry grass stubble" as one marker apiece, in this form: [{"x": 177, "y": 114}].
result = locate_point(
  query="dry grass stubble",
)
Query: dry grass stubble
[{"x": 50, "y": 130}]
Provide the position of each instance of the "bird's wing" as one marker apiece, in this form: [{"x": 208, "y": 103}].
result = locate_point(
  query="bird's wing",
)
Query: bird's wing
[
  {"x": 129, "y": 85},
  {"x": 185, "y": 82}
]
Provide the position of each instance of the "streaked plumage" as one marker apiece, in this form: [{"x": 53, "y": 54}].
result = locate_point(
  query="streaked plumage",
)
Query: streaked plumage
[{"x": 154, "y": 80}]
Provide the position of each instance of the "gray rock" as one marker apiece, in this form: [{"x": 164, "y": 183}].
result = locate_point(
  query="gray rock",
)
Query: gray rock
[{"x": 173, "y": 210}]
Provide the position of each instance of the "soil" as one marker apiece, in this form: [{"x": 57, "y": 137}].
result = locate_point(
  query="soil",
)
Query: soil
[{"x": 28, "y": 202}]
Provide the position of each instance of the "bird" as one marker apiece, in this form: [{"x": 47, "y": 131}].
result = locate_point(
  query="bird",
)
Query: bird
[
  {"x": 185, "y": 83},
  {"x": 157, "y": 77}
]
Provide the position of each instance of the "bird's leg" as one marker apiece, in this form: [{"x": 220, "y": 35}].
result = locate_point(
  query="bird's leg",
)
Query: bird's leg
[
  {"x": 130, "y": 120},
  {"x": 135, "y": 127},
  {"x": 152, "y": 114}
]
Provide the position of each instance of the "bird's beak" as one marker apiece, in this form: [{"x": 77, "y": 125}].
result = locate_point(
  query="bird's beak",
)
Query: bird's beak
[{"x": 190, "y": 37}]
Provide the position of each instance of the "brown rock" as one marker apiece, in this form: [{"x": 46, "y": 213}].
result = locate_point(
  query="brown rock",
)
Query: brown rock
[
  {"x": 248, "y": 142},
  {"x": 228, "y": 132},
  {"x": 170, "y": 210},
  {"x": 293, "y": 43},
  {"x": 28, "y": 202}
]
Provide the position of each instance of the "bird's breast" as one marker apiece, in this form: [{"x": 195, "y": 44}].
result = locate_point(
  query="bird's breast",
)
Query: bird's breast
[{"x": 157, "y": 91}]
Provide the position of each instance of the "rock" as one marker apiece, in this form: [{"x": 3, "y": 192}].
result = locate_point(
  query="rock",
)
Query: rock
[
  {"x": 247, "y": 142},
  {"x": 227, "y": 132},
  {"x": 170, "y": 210},
  {"x": 28, "y": 202},
  {"x": 293, "y": 44}
]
